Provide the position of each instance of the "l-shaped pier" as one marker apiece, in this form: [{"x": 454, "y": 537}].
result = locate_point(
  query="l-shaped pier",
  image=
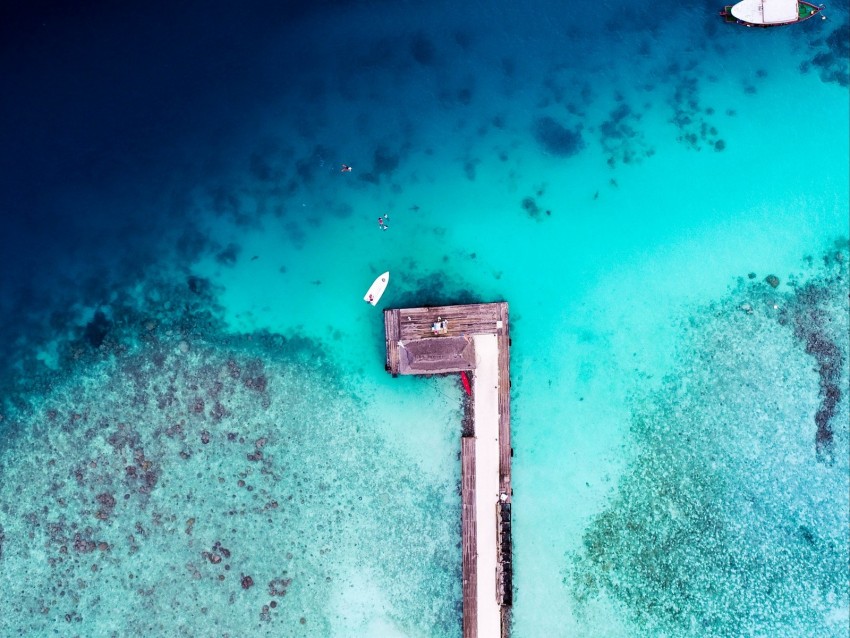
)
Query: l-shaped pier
[{"x": 473, "y": 339}]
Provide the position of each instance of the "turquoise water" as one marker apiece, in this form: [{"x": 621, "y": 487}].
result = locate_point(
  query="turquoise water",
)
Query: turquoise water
[{"x": 222, "y": 453}]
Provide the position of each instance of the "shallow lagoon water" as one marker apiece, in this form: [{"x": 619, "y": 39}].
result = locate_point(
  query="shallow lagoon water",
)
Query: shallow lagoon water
[{"x": 659, "y": 397}]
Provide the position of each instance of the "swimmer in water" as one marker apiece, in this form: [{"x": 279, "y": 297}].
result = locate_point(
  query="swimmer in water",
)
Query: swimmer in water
[{"x": 345, "y": 169}]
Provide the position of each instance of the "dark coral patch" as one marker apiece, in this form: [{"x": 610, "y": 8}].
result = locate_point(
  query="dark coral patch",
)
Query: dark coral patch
[
  {"x": 529, "y": 205},
  {"x": 556, "y": 139},
  {"x": 834, "y": 62},
  {"x": 228, "y": 255},
  {"x": 384, "y": 164},
  {"x": 423, "y": 50},
  {"x": 278, "y": 586},
  {"x": 97, "y": 329}
]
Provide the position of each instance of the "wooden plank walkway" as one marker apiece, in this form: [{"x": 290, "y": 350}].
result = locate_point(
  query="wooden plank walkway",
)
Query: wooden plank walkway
[
  {"x": 468, "y": 537},
  {"x": 407, "y": 325},
  {"x": 391, "y": 337}
]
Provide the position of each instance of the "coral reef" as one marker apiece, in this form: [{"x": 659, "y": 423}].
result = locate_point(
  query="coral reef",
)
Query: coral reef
[
  {"x": 727, "y": 521},
  {"x": 833, "y": 60},
  {"x": 689, "y": 115},
  {"x": 621, "y": 140},
  {"x": 171, "y": 467}
]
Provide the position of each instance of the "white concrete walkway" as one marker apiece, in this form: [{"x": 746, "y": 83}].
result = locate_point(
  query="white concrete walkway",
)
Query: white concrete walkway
[{"x": 486, "y": 393}]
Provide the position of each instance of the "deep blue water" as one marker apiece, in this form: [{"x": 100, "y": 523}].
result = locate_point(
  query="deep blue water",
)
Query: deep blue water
[
  {"x": 107, "y": 110},
  {"x": 111, "y": 114}
]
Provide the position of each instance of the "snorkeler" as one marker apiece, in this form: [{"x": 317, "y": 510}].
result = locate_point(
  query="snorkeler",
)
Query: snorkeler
[{"x": 345, "y": 169}]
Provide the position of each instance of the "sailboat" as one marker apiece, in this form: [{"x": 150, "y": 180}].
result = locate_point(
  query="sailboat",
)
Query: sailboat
[{"x": 769, "y": 13}]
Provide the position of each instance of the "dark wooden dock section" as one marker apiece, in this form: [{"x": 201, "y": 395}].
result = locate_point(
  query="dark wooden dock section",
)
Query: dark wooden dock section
[{"x": 440, "y": 340}]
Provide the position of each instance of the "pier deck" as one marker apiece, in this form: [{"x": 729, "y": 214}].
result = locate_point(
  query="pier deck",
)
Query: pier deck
[{"x": 474, "y": 339}]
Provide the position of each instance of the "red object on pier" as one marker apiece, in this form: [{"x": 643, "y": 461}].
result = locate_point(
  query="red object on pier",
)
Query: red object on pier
[{"x": 465, "y": 379}]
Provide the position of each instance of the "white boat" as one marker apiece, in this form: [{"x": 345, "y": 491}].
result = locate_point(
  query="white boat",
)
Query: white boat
[
  {"x": 373, "y": 295},
  {"x": 769, "y": 13}
]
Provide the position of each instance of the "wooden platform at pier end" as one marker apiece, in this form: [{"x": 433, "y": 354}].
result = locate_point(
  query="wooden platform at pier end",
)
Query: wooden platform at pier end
[{"x": 473, "y": 338}]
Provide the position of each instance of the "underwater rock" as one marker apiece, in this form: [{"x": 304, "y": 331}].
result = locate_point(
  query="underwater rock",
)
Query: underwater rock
[
  {"x": 384, "y": 162},
  {"x": 811, "y": 327},
  {"x": 422, "y": 50},
  {"x": 229, "y": 255},
  {"x": 621, "y": 138},
  {"x": 218, "y": 411},
  {"x": 257, "y": 383},
  {"x": 2, "y": 540},
  {"x": 198, "y": 285},
  {"x": 773, "y": 280},
  {"x": 556, "y": 139},
  {"x": 150, "y": 480},
  {"x": 530, "y": 206},
  {"x": 107, "y": 500},
  {"x": 97, "y": 329},
  {"x": 833, "y": 61},
  {"x": 82, "y": 545},
  {"x": 247, "y": 582},
  {"x": 278, "y": 586}
]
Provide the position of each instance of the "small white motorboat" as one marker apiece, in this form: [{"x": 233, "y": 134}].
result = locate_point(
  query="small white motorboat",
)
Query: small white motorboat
[{"x": 373, "y": 295}]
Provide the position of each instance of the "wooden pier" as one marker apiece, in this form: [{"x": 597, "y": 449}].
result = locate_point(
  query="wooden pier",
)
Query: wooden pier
[{"x": 474, "y": 339}]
